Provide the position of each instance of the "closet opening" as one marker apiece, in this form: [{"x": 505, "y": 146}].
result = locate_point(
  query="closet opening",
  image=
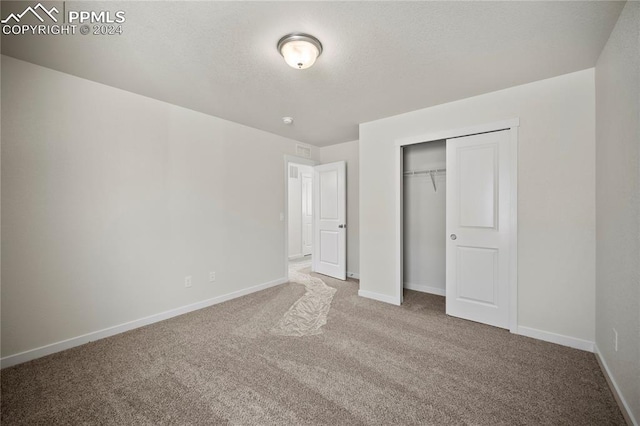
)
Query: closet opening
[
  {"x": 424, "y": 218},
  {"x": 456, "y": 205}
]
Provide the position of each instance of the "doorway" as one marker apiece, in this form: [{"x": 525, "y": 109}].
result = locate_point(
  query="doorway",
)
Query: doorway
[
  {"x": 315, "y": 225},
  {"x": 299, "y": 214},
  {"x": 457, "y": 220}
]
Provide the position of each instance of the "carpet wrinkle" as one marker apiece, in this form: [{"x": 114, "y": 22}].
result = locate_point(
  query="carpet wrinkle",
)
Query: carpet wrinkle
[
  {"x": 222, "y": 395},
  {"x": 164, "y": 399},
  {"x": 254, "y": 377},
  {"x": 373, "y": 364},
  {"x": 517, "y": 342},
  {"x": 338, "y": 387},
  {"x": 405, "y": 377},
  {"x": 372, "y": 375},
  {"x": 400, "y": 406},
  {"x": 428, "y": 340},
  {"x": 315, "y": 406},
  {"x": 397, "y": 378}
]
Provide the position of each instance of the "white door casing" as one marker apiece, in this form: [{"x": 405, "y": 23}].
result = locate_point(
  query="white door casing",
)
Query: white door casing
[
  {"x": 307, "y": 213},
  {"x": 330, "y": 208},
  {"x": 478, "y": 227}
]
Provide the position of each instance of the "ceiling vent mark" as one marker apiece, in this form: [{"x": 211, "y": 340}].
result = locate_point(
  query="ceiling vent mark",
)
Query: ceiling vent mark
[{"x": 303, "y": 151}]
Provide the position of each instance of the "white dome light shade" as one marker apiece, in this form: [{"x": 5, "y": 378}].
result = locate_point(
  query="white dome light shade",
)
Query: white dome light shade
[{"x": 299, "y": 50}]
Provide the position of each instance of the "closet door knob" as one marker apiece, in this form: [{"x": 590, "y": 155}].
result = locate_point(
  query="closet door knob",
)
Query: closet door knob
[{"x": 454, "y": 236}]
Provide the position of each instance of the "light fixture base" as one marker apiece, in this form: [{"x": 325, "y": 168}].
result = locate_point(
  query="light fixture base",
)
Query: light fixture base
[{"x": 299, "y": 50}]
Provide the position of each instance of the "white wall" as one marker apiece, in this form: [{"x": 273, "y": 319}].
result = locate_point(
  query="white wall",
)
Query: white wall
[
  {"x": 425, "y": 219},
  {"x": 556, "y": 205},
  {"x": 109, "y": 199},
  {"x": 349, "y": 153},
  {"x": 618, "y": 204},
  {"x": 295, "y": 209}
]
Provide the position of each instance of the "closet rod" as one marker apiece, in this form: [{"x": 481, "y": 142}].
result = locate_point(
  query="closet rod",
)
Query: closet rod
[{"x": 420, "y": 172}]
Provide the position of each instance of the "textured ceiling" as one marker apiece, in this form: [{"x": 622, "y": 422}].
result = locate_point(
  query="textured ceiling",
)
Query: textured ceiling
[{"x": 380, "y": 58}]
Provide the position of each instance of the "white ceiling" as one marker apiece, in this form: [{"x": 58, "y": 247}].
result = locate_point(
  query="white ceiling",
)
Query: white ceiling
[{"x": 380, "y": 58}]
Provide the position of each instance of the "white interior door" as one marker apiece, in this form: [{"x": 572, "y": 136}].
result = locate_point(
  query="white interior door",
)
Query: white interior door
[
  {"x": 330, "y": 214},
  {"x": 307, "y": 213},
  {"x": 478, "y": 234}
]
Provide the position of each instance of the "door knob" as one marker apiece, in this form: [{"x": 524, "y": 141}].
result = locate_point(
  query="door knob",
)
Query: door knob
[
  {"x": 342, "y": 226},
  {"x": 454, "y": 236}
]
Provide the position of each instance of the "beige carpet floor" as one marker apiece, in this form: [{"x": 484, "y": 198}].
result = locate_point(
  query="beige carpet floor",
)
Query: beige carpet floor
[{"x": 373, "y": 364}]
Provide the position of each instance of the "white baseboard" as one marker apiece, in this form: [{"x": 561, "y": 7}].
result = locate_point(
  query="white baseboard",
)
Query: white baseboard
[
  {"x": 622, "y": 403},
  {"x": 440, "y": 291},
  {"x": 380, "y": 297},
  {"x": 547, "y": 336},
  {"x": 354, "y": 275},
  {"x": 52, "y": 348}
]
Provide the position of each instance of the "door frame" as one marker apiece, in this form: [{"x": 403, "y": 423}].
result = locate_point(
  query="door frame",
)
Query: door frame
[
  {"x": 309, "y": 194},
  {"x": 512, "y": 127},
  {"x": 287, "y": 160}
]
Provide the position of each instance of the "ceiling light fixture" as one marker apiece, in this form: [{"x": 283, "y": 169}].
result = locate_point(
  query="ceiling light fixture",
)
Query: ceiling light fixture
[{"x": 299, "y": 50}]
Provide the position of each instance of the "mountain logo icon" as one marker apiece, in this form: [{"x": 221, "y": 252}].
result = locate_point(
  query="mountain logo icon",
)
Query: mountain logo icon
[{"x": 34, "y": 11}]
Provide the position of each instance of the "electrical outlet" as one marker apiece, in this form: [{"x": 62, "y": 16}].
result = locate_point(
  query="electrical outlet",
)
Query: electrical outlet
[
  {"x": 212, "y": 277},
  {"x": 187, "y": 281},
  {"x": 615, "y": 340}
]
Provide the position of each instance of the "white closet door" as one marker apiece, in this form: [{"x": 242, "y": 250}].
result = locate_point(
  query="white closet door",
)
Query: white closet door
[
  {"x": 478, "y": 209},
  {"x": 330, "y": 214},
  {"x": 307, "y": 213}
]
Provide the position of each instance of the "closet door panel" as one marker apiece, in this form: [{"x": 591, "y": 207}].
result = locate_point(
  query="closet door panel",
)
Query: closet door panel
[
  {"x": 478, "y": 208},
  {"x": 477, "y": 275},
  {"x": 477, "y": 183}
]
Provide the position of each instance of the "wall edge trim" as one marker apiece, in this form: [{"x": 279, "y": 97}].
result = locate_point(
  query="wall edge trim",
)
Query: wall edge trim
[
  {"x": 423, "y": 288},
  {"x": 560, "y": 339},
  {"x": 379, "y": 297},
  {"x": 73, "y": 342},
  {"x": 615, "y": 390}
]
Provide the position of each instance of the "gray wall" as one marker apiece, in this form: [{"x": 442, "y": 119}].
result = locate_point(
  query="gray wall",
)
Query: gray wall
[
  {"x": 109, "y": 199},
  {"x": 618, "y": 204},
  {"x": 348, "y": 152}
]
